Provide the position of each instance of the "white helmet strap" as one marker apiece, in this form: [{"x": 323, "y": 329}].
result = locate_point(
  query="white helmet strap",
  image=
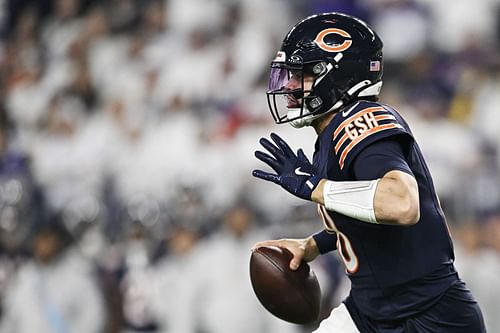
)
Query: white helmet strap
[{"x": 372, "y": 90}]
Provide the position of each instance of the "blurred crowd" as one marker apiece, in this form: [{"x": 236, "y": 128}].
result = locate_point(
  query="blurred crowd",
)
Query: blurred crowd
[{"x": 127, "y": 132}]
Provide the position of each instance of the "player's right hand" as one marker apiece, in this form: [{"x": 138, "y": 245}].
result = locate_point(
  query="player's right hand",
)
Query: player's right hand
[
  {"x": 293, "y": 171},
  {"x": 301, "y": 249}
]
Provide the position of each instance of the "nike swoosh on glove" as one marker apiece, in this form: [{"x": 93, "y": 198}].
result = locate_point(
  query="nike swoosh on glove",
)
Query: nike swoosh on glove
[{"x": 294, "y": 172}]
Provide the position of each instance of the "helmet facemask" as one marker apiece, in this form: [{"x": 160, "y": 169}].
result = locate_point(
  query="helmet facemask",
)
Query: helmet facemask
[{"x": 290, "y": 94}]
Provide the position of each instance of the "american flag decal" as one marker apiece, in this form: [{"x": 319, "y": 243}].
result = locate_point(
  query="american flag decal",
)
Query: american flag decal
[{"x": 374, "y": 66}]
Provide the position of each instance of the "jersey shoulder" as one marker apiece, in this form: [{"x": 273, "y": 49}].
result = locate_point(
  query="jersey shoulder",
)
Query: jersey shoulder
[{"x": 361, "y": 124}]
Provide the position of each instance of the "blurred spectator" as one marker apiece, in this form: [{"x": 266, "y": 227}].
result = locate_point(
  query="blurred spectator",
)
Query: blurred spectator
[
  {"x": 491, "y": 296},
  {"x": 55, "y": 291},
  {"x": 66, "y": 160},
  {"x": 477, "y": 259},
  {"x": 21, "y": 199},
  {"x": 226, "y": 287},
  {"x": 404, "y": 26},
  {"x": 454, "y": 24},
  {"x": 62, "y": 28},
  {"x": 136, "y": 283},
  {"x": 177, "y": 283}
]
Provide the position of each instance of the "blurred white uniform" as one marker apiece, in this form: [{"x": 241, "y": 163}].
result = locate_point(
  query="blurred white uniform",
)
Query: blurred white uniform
[
  {"x": 480, "y": 271},
  {"x": 58, "y": 298},
  {"x": 230, "y": 305},
  {"x": 176, "y": 293}
]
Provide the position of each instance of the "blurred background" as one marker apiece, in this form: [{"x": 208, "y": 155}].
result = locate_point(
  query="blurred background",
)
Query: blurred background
[{"x": 127, "y": 132}]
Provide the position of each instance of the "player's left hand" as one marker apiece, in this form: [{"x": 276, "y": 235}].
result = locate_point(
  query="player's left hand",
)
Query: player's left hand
[{"x": 294, "y": 172}]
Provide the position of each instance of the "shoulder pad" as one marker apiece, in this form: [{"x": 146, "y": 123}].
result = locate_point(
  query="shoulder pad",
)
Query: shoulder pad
[{"x": 361, "y": 124}]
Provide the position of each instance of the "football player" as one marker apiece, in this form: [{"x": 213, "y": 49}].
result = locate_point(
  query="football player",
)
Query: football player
[{"x": 370, "y": 181}]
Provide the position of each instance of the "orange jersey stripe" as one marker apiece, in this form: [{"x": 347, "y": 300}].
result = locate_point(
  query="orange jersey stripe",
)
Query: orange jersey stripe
[
  {"x": 385, "y": 117},
  {"x": 361, "y": 138},
  {"x": 356, "y": 115},
  {"x": 345, "y": 136},
  {"x": 341, "y": 142}
]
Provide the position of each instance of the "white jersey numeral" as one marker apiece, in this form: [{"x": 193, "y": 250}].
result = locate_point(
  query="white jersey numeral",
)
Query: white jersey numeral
[
  {"x": 344, "y": 245},
  {"x": 347, "y": 253},
  {"x": 327, "y": 219}
]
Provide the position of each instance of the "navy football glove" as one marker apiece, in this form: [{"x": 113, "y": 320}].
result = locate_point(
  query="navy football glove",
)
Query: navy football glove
[{"x": 294, "y": 172}]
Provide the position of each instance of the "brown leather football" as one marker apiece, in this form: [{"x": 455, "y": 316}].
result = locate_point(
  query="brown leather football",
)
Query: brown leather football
[{"x": 294, "y": 296}]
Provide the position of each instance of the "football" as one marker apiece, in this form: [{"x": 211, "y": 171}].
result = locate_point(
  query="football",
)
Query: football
[{"x": 293, "y": 296}]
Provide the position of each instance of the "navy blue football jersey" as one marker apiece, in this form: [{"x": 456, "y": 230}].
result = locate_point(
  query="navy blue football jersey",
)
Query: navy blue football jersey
[{"x": 395, "y": 271}]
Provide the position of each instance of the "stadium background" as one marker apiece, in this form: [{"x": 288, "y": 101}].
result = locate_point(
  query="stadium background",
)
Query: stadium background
[{"x": 127, "y": 137}]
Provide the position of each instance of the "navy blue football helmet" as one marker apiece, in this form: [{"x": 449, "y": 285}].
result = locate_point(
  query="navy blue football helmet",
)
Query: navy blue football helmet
[{"x": 341, "y": 54}]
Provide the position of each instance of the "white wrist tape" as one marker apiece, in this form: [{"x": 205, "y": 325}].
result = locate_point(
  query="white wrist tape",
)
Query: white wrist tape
[{"x": 353, "y": 199}]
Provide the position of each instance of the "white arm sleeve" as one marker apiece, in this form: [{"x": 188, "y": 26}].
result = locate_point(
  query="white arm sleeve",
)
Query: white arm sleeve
[{"x": 353, "y": 199}]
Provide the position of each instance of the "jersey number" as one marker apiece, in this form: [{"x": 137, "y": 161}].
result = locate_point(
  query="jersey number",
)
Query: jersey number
[
  {"x": 347, "y": 253},
  {"x": 344, "y": 245}
]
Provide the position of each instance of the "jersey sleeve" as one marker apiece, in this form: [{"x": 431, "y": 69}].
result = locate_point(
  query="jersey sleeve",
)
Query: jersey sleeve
[
  {"x": 379, "y": 158},
  {"x": 357, "y": 130}
]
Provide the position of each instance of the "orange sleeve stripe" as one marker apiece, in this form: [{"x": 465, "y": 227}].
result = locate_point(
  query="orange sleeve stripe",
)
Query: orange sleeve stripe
[
  {"x": 385, "y": 117},
  {"x": 345, "y": 136},
  {"x": 361, "y": 138},
  {"x": 356, "y": 115},
  {"x": 341, "y": 142}
]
